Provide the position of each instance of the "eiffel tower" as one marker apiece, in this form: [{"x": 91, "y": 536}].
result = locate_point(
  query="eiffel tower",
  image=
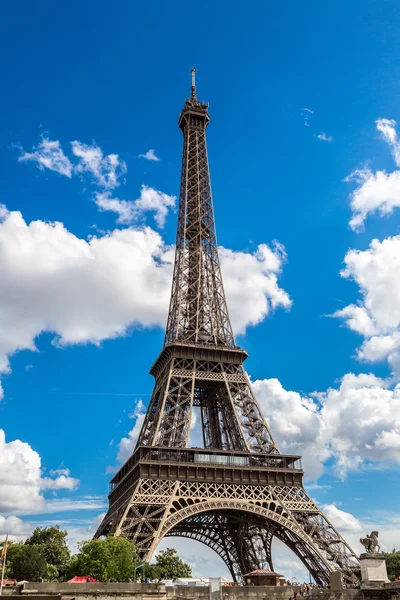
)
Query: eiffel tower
[{"x": 238, "y": 491}]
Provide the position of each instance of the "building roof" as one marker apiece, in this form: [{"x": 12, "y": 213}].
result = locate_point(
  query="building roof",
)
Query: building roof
[{"x": 261, "y": 572}]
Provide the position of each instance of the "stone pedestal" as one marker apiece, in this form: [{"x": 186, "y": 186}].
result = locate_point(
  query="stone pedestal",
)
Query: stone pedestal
[{"x": 373, "y": 569}]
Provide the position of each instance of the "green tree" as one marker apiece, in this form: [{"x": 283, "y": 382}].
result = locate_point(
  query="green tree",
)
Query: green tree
[
  {"x": 170, "y": 566},
  {"x": 29, "y": 563},
  {"x": 13, "y": 549},
  {"x": 109, "y": 558},
  {"x": 393, "y": 564},
  {"x": 52, "y": 543},
  {"x": 52, "y": 573}
]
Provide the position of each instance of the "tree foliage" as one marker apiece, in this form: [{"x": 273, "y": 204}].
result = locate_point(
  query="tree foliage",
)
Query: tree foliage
[
  {"x": 104, "y": 559},
  {"x": 52, "y": 543},
  {"x": 28, "y": 563},
  {"x": 168, "y": 565},
  {"x": 393, "y": 564},
  {"x": 13, "y": 549},
  {"x": 45, "y": 554}
]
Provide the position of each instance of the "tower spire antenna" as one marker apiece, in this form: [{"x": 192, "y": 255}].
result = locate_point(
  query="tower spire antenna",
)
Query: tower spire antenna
[{"x": 193, "y": 72}]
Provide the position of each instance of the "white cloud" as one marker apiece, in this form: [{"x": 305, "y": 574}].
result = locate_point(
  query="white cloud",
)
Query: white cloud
[
  {"x": 12, "y": 526},
  {"x": 60, "y": 471},
  {"x": 101, "y": 277},
  {"x": 251, "y": 284},
  {"x": 49, "y": 154},
  {"x": 20, "y": 474},
  {"x": 21, "y": 482},
  {"x": 379, "y": 191},
  {"x": 342, "y": 520},
  {"x": 60, "y": 483},
  {"x": 58, "y": 505},
  {"x": 354, "y": 528},
  {"x": 150, "y": 200},
  {"x": 324, "y": 138},
  {"x": 105, "y": 170},
  {"x": 154, "y": 201},
  {"x": 306, "y": 115},
  {"x": 387, "y": 127},
  {"x": 352, "y": 424},
  {"x": 377, "y": 315},
  {"x": 123, "y": 208},
  {"x": 92, "y": 285},
  {"x": 303, "y": 432},
  {"x": 150, "y": 155},
  {"x": 127, "y": 444}
]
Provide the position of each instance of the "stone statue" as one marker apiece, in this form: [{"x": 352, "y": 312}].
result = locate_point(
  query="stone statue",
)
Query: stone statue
[{"x": 370, "y": 542}]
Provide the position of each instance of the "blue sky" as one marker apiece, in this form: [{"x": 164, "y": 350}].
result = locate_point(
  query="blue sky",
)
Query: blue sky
[{"x": 302, "y": 95}]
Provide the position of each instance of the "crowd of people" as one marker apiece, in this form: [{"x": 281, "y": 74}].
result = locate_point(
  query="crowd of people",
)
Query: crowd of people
[{"x": 305, "y": 588}]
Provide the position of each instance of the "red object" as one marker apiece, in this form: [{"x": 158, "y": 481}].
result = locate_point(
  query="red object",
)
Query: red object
[{"x": 82, "y": 579}]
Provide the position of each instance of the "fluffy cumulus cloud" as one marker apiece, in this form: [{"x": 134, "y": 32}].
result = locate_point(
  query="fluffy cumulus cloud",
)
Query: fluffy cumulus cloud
[
  {"x": 48, "y": 154},
  {"x": 150, "y": 200},
  {"x": 376, "y": 316},
  {"x": 251, "y": 284},
  {"x": 355, "y": 423},
  {"x": 342, "y": 520},
  {"x": 21, "y": 481},
  {"x": 377, "y": 191},
  {"x": 91, "y": 285},
  {"x": 12, "y": 526}
]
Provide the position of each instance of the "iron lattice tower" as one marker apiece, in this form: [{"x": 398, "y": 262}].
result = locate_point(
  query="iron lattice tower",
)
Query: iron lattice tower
[{"x": 238, "y": 491}]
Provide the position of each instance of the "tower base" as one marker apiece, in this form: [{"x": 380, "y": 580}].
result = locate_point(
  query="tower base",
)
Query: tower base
[{"x": 233, "y": 502}]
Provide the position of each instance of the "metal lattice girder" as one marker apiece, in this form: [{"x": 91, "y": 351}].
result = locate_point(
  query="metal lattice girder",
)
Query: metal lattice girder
[
  {"x": 198, "y": 310},
  {"x": 160, "y": 508},
  {"x": 228, "y": 404},
  {"x": 249, "y": 492}
]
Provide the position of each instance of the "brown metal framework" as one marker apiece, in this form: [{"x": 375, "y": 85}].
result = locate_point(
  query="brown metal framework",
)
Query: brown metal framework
[{"x": 238, "y": 491}]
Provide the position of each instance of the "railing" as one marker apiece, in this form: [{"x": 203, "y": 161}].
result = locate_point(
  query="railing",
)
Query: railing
[{"x": 203, "y": 456}]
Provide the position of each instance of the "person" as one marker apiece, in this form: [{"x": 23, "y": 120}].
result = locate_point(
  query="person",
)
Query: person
[{"x": 87, "y": 579}]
